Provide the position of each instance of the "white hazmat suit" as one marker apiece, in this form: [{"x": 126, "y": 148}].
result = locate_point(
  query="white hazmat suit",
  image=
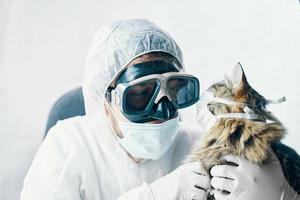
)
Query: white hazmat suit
[{"x": 81, "y": 157}]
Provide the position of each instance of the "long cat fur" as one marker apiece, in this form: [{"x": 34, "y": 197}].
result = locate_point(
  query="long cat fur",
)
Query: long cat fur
[{"x": 242, "y": 137}]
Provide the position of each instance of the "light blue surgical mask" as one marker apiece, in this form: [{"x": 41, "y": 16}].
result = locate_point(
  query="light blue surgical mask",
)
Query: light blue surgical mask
[{"x": 148, "y": 141}]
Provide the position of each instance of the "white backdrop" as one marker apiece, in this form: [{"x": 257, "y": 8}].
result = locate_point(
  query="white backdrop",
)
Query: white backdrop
[{"x": 43, "y": 45}]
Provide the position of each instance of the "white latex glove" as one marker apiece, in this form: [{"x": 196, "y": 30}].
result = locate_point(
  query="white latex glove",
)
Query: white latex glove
[
  {"x": 249, "y": 181},
  {"x": 187, "y": 182}
]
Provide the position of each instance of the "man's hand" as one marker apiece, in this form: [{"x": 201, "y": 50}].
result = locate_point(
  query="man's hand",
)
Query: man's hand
[
  {"x": 187, "y": 182},
  {"x": 248, "y": 181}
]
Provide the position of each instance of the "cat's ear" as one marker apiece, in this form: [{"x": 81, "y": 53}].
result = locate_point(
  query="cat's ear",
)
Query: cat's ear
[{"x": 236, "y": 77}]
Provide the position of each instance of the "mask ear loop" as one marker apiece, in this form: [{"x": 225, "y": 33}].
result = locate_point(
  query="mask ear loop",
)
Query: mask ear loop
[
  {"x": 228, "y": 102},
  {"x": 249, "y": 113},
  {"x": 275, "y": 101},
  {"x": 239, "y": 115},
  {"x": 270, "y": 116},
  {"x": 109, "y": 97}
]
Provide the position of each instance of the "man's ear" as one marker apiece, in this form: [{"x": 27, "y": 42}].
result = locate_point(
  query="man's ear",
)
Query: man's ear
[{"x": 236, "y": 78}]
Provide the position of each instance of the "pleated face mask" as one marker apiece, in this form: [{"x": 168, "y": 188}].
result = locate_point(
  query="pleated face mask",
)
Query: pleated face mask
[{"x": 148, "y": 141}]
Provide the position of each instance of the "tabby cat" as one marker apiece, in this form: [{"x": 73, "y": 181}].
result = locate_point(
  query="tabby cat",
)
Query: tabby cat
[{"x": 241, "y": 124}]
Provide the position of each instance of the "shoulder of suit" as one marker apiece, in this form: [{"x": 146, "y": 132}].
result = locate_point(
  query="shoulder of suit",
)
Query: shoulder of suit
[{"x": 69, "y": 134}]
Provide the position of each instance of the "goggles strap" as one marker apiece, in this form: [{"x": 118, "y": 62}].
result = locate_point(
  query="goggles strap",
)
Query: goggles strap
[
  {"x": 249, "y": 113},
  {"x": 108, "y": 96}
]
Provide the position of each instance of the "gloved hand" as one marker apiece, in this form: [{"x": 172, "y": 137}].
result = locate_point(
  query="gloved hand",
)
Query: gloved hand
[
  {"x": 188, "y": 181},
  {"x": 249, "y": 181}
]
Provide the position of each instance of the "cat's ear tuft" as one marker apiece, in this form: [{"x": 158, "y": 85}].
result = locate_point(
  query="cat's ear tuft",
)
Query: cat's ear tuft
[{"x": 236, "y": 77}]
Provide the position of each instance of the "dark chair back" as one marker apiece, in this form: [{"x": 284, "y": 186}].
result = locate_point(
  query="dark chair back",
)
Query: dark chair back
[{"x": 69, "y": 105}]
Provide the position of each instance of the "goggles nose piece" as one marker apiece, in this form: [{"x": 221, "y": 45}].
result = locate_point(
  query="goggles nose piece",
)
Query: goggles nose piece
[{"x": 163, "y": 110}]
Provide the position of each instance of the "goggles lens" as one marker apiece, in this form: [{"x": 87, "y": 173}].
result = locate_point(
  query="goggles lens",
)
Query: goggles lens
[
  {"x": 183, "y": 91},
  {"x": 138, "y": 97}
]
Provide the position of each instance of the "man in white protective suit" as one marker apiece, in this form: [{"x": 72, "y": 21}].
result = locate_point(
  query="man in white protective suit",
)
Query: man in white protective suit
[{"x": 131, "y": 143}]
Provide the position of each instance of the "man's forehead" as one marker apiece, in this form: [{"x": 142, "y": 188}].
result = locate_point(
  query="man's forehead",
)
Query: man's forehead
[
  {"x": 146, "y": 68},
  {"x": 146, "y": 64},
  {"x": 151, "y": 57}
]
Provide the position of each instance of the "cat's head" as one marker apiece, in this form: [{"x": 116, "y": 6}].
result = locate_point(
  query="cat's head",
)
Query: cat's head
[
  {"x": 235, "y": 88},
  {"x": 234, "y": 119}
]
